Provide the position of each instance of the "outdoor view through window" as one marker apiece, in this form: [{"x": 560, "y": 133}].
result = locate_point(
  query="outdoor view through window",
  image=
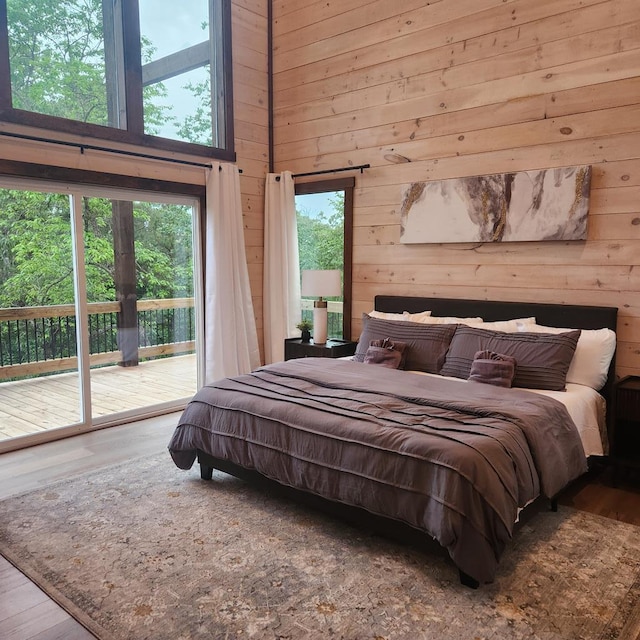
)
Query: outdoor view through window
[
  {"x": 321, "y": 246},
  {"x": 69, "y": 60},
  {"x": 97, "y": 307}
]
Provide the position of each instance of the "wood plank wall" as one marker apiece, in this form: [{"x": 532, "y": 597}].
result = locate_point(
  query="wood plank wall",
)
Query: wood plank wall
[
  {"x": 251, "y": 124},
  {"x": 251, "y": 112},
  {"x": 448, "y": 88}
]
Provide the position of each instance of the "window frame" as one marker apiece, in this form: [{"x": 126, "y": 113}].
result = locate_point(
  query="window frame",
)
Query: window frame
[
  {"x": 134, "y": 133},
  {"x": 347, "y": 185}
]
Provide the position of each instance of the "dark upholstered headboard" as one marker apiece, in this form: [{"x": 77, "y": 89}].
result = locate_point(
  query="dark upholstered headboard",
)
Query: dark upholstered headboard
[{"x": 553, "y": 315}]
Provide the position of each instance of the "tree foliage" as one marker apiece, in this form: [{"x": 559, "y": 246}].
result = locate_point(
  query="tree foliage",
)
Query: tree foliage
[
  {"x": 57, "y": 61},
  {"x": 57, "y": 58},
  {"x": 36, "y": 264},
  {"x": 37, "y": 261},
  {"x": 321, "y": 236},
  {"x": 197, "y": 126}
]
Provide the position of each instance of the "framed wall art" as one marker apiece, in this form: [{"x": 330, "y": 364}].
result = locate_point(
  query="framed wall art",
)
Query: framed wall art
[{"x": 543, "y": 205}]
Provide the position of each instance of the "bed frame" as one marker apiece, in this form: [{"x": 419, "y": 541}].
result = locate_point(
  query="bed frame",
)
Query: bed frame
[{"x": 557, "y": 315}]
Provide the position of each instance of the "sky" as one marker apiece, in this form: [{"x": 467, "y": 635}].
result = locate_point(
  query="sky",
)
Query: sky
[
  {"x": 173, "y": 26},
  {"x": 313, "y": 203}
]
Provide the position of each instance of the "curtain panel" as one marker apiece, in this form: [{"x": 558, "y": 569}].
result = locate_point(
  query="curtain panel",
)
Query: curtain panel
[
  {"x": 281, "y": 289},
  {"x": 231, "y": 339}
]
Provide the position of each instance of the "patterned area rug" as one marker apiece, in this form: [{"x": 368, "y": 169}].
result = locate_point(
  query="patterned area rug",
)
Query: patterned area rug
[{"x": 144, "y": 550}]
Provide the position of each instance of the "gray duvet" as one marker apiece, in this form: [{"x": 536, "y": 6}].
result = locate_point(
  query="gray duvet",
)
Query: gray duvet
[{"x": 455, "y": 459}]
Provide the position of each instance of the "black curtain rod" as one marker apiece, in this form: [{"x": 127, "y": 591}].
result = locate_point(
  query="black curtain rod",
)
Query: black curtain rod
[
  {"x": 360, "y": 167},
  {"x": 92, "y": 147}
]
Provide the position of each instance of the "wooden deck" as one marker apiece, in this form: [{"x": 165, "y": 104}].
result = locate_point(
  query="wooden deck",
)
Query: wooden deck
[{"x": 38, "y": 404}]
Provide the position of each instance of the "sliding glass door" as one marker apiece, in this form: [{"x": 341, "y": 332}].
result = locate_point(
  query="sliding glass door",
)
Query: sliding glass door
[
  {"x": 37, "y": 314},
  {"x": 149, "y": 328},
  {"x": 98, "y": 308}
]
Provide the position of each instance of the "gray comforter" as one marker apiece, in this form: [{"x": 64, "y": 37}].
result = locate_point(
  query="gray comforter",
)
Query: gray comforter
[{"x": 456, "y": 459}]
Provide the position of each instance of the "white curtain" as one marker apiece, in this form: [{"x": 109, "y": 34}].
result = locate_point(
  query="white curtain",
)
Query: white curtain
[
  {"x": 231, "y": 340},
  {"x": 281, "y": 289}
]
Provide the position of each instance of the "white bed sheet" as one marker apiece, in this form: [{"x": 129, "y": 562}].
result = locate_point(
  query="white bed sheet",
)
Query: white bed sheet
[{"x": 587, "y": 409}]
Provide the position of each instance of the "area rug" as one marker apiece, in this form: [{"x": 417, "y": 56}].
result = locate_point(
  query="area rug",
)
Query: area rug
[{"x": 143, "y": 550}]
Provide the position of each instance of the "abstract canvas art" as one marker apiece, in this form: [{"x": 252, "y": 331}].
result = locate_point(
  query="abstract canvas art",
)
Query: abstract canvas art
[{"x": 548, "y": 204}]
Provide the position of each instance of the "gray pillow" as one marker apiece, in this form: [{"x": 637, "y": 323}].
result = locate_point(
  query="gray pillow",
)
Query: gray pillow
[
  {"x": 385, "y": 353},
  {"x": 542, "y": 359},
  {"x": 427, "y": 344},
  {"x": 497, "y": 369}
]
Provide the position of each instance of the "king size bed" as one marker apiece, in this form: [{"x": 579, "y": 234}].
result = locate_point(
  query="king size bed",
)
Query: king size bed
[{"x": 442, "y": 443}]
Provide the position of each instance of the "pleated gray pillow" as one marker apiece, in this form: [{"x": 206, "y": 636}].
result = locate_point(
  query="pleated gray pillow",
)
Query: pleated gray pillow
[
  {"x": 427, "y": 344},
  {"x": 542, "y": 359}
]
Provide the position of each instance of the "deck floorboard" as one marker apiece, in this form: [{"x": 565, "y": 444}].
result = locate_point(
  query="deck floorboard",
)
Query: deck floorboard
[{"x": 37, "y": 404}]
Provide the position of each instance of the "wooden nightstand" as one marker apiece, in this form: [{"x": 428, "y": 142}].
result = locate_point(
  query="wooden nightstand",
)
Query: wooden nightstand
[
  {"x": 626, "y": 433},
  {"x": 295, "y": 348}
]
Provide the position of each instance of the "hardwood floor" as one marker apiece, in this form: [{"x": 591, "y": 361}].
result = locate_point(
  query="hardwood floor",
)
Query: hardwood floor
[
  {"x": 598, "y": 492},
  {"x": 26, "y": 613}
]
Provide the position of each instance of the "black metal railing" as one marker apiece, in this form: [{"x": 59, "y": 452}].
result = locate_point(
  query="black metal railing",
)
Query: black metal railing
[
  {"x": 165, "y": 326},
  {"x": 43, "y": 334},
  {"x": 37, "y": 339}
]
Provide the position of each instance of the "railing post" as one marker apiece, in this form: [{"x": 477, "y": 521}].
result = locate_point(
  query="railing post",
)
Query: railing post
[{"x": 125, "y": 282}]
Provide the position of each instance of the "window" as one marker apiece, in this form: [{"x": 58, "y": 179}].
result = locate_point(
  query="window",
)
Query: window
[
  {"x": 100, "y": 297},
  {"x": 131, "y": 71},
  {"x": 325, "y": 237}
]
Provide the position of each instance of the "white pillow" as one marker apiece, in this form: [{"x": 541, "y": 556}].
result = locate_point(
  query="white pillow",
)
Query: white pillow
[
  {"x": 508, "y": 326},
  {"x": 415, "y": 317},
  {"x": 592, "y": 357},
  {"x": 426, "y": 318},
  {"x": 391, "y": 316}
]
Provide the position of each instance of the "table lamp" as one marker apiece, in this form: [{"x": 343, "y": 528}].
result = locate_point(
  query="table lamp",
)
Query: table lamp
[{"x": 321, "y": 283}]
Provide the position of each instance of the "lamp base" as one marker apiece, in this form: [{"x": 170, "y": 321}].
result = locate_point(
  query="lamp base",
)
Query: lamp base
[{"x": 320, "y": 325}]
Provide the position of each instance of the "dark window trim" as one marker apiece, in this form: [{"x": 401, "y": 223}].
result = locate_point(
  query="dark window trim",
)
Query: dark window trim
[
  {"x": 227, "y": 74},
  {"x": 272, "y": 162},
  {"x": 52, "y": 125},
  {"x": 133, "y": 135},
  {"x": 5, "y": 71},
  {"x": 132, "y": 67},
  {"x": 347, "y": 185},
  {"x": 33, "y": 171}
]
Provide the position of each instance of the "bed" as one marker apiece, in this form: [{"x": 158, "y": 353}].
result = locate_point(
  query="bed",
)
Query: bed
[{"x": 422, "y": 445}]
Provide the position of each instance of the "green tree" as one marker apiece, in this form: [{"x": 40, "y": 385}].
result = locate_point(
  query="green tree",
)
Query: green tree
[
  {"x": 321, "y": 236},
  {"x": 36, "y": 267},
  {"x": 36, "y": 252},
  {"x": 197, "y": 127},
  {"x": 164, "y": 250},
  {"x": 57, "y": 60}
]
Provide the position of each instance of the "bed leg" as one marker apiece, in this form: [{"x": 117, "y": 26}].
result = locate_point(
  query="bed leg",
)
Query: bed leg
[
  {"x": 467, "y": 580},
  {"x": 553, "y": 504},
  {"x": 206, "y": 473}
]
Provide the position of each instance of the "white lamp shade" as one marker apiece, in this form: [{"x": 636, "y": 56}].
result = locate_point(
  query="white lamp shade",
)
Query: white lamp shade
[{"x": 321, "y": 282}]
